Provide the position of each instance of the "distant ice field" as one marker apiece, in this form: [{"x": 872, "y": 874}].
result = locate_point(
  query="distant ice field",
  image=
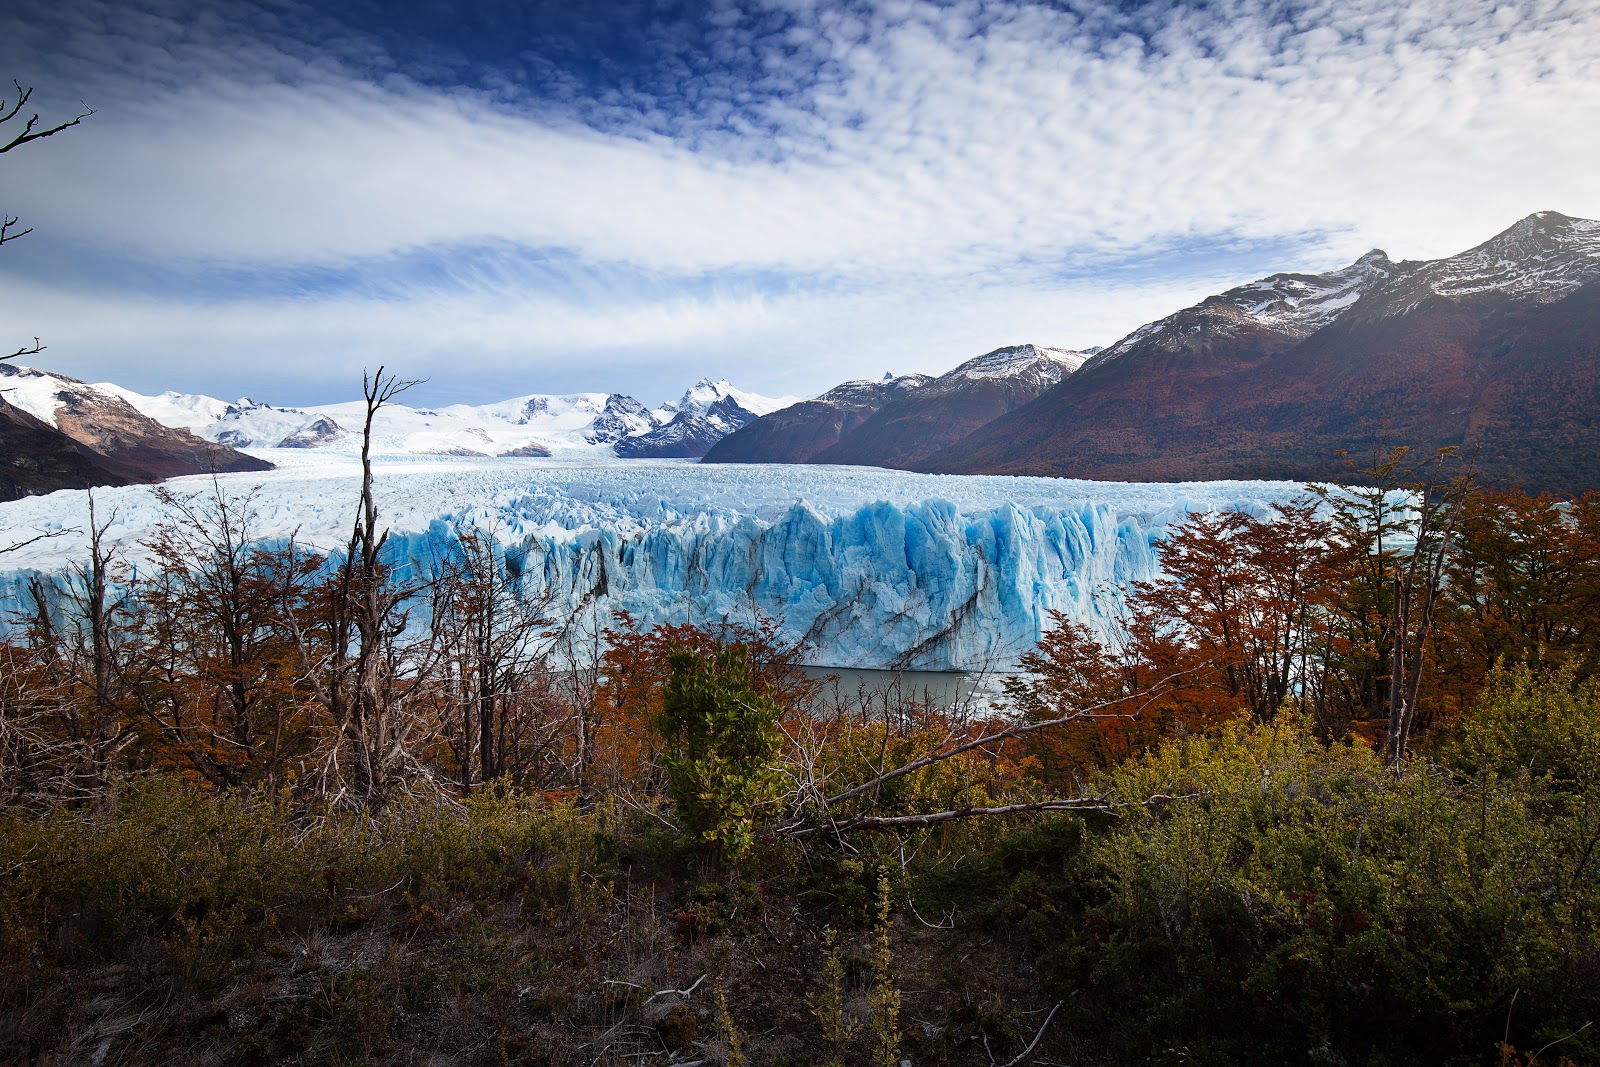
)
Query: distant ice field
[{"x": 872, "y": 568}]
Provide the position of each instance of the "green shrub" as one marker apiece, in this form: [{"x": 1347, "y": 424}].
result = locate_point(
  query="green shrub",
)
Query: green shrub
[
  {"x": 210, "y": 876},
  {"x": 1296, "y": 902},
  {"x": 722, "y": 747}
]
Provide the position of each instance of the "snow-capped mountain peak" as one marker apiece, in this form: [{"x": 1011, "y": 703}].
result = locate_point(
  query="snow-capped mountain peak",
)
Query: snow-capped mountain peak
[
  {"x": 1542, "y": 258},
  {"x": 870, "y": 392},
  {"x": 623, "y": 416},
  {"x": 536, "y": 424},
  {"x": 1014, "y": 360},
  {"x": 103, "y": 419},
  {"x": 699, "y": 398},
  {"x": 1301, "y": 304}
]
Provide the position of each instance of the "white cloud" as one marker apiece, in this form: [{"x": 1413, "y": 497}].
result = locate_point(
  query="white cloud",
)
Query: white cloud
[
  {"x": 925, "y": 152},
  {"x": 473, "y": 343}
]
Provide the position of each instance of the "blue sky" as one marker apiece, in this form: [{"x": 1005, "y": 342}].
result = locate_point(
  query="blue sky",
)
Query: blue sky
[{"x": 546, "y": 197}]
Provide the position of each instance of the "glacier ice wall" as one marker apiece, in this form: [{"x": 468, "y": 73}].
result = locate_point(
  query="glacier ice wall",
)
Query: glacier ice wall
[{"x": 870, "y": 568}]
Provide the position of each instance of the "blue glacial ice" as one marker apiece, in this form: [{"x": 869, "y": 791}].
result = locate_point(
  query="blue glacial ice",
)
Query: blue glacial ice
[{"x": 871, "y": 568}]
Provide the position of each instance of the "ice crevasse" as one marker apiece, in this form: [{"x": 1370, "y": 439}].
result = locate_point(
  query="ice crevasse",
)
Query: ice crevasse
[{"x": 870, "y": 568}]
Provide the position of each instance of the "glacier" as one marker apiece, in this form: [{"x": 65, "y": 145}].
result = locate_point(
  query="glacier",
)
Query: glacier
[{"x": 870, "y": 568}]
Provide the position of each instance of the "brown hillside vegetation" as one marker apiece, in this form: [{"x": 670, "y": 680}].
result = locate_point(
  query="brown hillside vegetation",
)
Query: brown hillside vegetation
[{"x": 1513, "y": 383}]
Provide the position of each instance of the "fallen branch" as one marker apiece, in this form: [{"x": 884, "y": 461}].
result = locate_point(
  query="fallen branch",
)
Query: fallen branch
[
  {"x": 1043, "y": 1027},
  {"x": 1094, "y": 711},
  {"x": 677, "y": 992},
  {"x": 933, "y": 818}
]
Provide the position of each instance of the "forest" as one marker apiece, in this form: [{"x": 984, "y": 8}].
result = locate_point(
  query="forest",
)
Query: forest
[{"x": 1330, "y": 795}]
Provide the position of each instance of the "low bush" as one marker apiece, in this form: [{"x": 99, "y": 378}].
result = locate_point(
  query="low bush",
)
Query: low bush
[{"x": 1282, "y": 900}]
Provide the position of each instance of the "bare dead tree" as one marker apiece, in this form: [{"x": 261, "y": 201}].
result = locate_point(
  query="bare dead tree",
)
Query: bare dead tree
[
  {"x": 211, "y": 667},
  {"x": 494, "y": 632},
  {"x": 1399, "y": 530},
  {"x": 373, "y": 733},
  {"x": 1440, "y": 500},
  {"x": 37, "y": 755},
  {"x": 61, "y": 727},
  {"x": 353, "y": 663}
]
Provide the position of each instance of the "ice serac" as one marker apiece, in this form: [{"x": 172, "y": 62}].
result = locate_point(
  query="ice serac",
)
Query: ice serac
[{"x": 871, "y": 568}]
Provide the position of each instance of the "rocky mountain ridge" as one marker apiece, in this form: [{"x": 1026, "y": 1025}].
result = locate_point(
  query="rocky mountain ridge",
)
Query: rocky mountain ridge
[
  {"x": 1495, "y": 350},
  {"x": 534, "y": 425},
  {"x": 897, "y": 422}
]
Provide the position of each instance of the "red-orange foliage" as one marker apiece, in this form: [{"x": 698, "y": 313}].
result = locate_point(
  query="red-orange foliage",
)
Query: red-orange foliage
[
  {"x": 1237, "y": 623},
  {"x": 1522, "y": 586}
]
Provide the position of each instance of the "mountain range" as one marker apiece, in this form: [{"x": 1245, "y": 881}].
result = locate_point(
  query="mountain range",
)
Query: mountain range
[
  {"x": 899, "y": 422},
  {"x": 57, "y": 432},
  {"x": 1495, "y": 350}
]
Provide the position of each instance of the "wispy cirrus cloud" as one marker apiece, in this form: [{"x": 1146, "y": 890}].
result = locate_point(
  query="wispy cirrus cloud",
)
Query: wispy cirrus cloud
[{"x": 843, "y": 184}]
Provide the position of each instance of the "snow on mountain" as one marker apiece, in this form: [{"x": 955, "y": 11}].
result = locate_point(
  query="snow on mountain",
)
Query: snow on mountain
[
  {"x": 872, "y": 392},
  {"x": 40, "y": 393},
  {"x": 797, "y": 434},
  {"x": 623, "y": 416},
  {"x": 1541, "y": 258},
  {"x": 99, "y": 417},
  {"x": 699, "y": 397},
  {"x": 1301, "y": 304},
  {"x": 1033, "y": 364},
  {"x": 572, "y": 424},
  {"x": 178, "y": 410},
  {"x": 690, "y": 433},
  {"x": 873, "y": 568},
  {"x": 1295, "y": 305}
]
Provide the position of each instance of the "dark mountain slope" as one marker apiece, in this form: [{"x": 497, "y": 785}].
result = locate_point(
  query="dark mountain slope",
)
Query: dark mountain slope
[
  {"x": 796, "y": 434},
  {"x": 1493, "y": 350},
  {"x": 118, "y": 444},
  {"x": 35, "y": 457},
  {"x": 913, "y": 426},
  {"x": 112, "y": 427}
]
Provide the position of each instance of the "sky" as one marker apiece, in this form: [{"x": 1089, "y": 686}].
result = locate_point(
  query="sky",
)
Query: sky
[{"x": 556, "y": 196}]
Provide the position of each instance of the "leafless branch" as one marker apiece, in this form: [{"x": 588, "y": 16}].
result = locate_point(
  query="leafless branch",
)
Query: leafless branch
[
  {"x": 8, "y": 221},
  {"x": 30, "y": 127},
  {"x": 43, "y": 535},
  {"x": 1101, "y": 710},
  {"x": 933, "y": 818},
  {"x": 25, "y": 350}
]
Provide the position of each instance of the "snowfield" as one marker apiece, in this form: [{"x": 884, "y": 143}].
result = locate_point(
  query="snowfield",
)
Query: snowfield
[{"x": 873, "y": 568}]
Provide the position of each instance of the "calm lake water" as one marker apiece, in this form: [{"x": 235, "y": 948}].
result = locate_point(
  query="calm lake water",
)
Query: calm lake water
[{"x": 853, "y": 687}]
